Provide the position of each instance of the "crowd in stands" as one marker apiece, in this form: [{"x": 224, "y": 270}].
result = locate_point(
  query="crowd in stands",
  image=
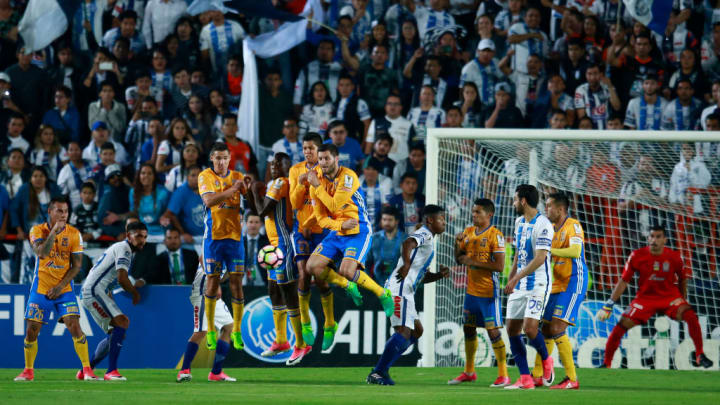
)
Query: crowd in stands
[{"x": 119, "y": 113}]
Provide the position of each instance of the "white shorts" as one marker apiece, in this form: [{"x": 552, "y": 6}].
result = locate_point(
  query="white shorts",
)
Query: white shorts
[
  {"x": 404, "y": 313},
  {"x": 222, "y": 314},
  {"x": 527, "y": 304},
  {"x": 102, "y": 308}
]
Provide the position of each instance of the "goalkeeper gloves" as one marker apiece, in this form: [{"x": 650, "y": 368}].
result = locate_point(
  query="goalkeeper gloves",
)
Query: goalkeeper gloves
[{"x": 606, "y": 310}]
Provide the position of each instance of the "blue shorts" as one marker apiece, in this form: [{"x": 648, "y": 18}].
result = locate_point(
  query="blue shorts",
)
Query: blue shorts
[
  {"x": 564, "y": 306},
  {"x": 338, "y": 247},
  {"x": 287, "y": 272},
  {"x": 39, "y": 306},
  {"x": 482, "y": 312},
  {"x": 228, "y": 253},
  {"x": 303, "y": 247}
]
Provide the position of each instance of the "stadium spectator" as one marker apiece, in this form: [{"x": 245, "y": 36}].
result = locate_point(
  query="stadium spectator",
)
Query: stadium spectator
[
  {"x": 409, "y": 202},
  {"x": 109, "y": 111},
  {"x": 114, "y": 206},
  {"x": 710, "y": 50},
  {"x": 595, "y": 98},
  {"x": 690, "y": 171},
  {"x": 100, "y": 136},
  {"x": 483, "y": 71},
  {"x": 377, "y": 189},
  {"x": 199, "y": 120},
  {"x": 361, "y": 19},
  {"x": 551, "y": 100},
  {"x": 415, "y": 165},
  {"x": 527, "y": 39},
  {"x": 231, "y": 82},
  {"x": 350, "y": 153},
  {"x": 528, "y": 85},
  {"x": 453, "y": 117},
  {"x": 574, "y": 64},
  {"x": 159, "y": 20},
  {"x": 385, "y": 249},
  {"x": 181, "y": 92},
  {"x": 170, "y": 151},
  {"x": 352, "y": 110},
  {"x": 316, "y": 114},
  {"x": 434, "y": 15},
  {"x": 84, "y": 215},
  {"x": 508, "y": 16},
  {"x": 14, "y": 173},
  {"x": 444, "y": 94},
  {"x": 396, "y": 126},
  {"x": 712, "y": 108},
  {"x": 682, "y": 113},
  {"x": 470, "y": 106},
  {"x": 48, "y": 152},
  {"x": 127, "y": 29},
  {"x": 689, "y": 69},
  {"x": 186, "y": 210},
  {"x": 175, "y": 266},
  {"x": 64, "y": 118},
  {"x": 143, "y": 88},
  {"x": 290, "y": 144},
  {"x": 242, "y": 157},
  {"x": 149, "y": 200},
  {"x": 104, "y": 69},
  {"x": 14, "y": 138},
  {"x": 503, "y": 113},
  {"x": 645, "y": 112},
  {"x": 275, "y": 105},
  {"x": 324, "y": 69},
  {"x": 426, "y": 115},
  {"x": 642, "y": 64},
  {"x": 179, "y": 174},
  {"x": 155, "y": 133},
  {"x": 376, "y": 81},
  {"x": 160, "y": 75},
  {"x": 74, "y": 174},
  {"x": 381, "y": 148},
  {"x": 138, "y": 128},
  {"x": 188, "y": 49},
  {"x": 31, "y": 87},
  {"x": 219, "y": 38}
]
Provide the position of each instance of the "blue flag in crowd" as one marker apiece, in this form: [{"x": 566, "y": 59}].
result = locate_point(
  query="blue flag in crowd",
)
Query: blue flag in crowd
[{"x": 653, "y": 14}]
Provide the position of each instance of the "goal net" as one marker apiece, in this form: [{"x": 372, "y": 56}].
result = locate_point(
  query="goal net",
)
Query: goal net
[{"x": 620, "y": 184}]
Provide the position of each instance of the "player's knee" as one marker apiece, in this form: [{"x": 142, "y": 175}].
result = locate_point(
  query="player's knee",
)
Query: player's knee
[
  {"x": 555, "y": 328},
  {"x": 197, "y": 337},
  {"x": 626, "y": 323},
  {"x": 531, "y": 331},
  {"x": 32, "y": 332},
  {"x": 121, "y": 321},
  {"x": 494, "y": 334},
  {"x": 470, "y": 331},
  {"x": 418, "y": 331}
]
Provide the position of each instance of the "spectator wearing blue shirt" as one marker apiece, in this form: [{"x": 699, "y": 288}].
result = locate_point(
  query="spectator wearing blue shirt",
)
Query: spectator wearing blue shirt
[
  {"x": 409, "y": 203},
  {"x": 386, "y": 245},
  {"x": 186, "y": 211},
  {"x": 351, "y": 154},
  {"x": 64, "y": 118},
  {"x": 149, "y": 200},
  {"x": 114, "y": 207}
]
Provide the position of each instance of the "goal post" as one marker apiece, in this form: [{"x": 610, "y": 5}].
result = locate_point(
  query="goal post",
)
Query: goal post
[{"x": 615, "y": 196}]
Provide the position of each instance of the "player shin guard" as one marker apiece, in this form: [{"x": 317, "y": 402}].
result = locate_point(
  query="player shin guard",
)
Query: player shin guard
[
  {"x": 538, "y": 342},
  {"x": 517, "y": 346},
  {"x": 332, "y": 277},
  {"x": 238, "y": 305},
  {"x": 30, "y": 349},
  {"x": 364, "y": 281},
  {"x": 328, "y": 306},
  {"x": 304, "y": 300},
  {"x": 613, "y": 342},
  {"x": 101, "y": 351},
  {"x": 210, "y": 312},
  {"x": 566, "y": 355},
  {"x": 116, "y": 338},
  {"x": 280, "y": 318},
  {"x": 471, "y": 345},
  {"x": 190, "y": 352},
  {"x": 500, "y": 355},
  {"x": 221, "y": 352},
  {"x": 294, "y": 315},
  {"x": 81, "y": 348},
  {"x": 394, "y": 348},
  {"x": 537, "y": 371},
  {"x": 690, "y": 317}
]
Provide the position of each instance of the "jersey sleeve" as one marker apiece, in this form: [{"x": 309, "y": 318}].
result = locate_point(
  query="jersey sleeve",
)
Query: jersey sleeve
[
  {"x": 347, "y": 187},
  {"x": 422, "y": 236},
  {"x": 76, "y": 243},
  {"x": 463, "y": 243},
  {"x": 297, "y": 190},
  {"x": 498, "y": 242},
  {"x": 37, "y": 234},
  {"x": 321, "y": 214},
  {"x": 516, "y": 235},
  {"x": 123, "y": 259},
  {"x": 543, "y": 235},
  {"x": 276, "y": 189},
  {"x": 205, "y": 184},
  {"x": 576, "y": 234},
  {"x": 629, "y": 270}
]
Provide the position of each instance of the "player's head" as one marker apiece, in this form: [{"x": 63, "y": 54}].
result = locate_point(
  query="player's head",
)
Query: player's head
[
  {"x": 280, "y": 165},
  {"x": 328, "y": 158},
  {"x": 482, "y": 211},
  {"x": 220, "y": 157},
  {"x": 657, "y": 239},
  {"x": 310, "y": 143},
  {"x": 390, "y": 219},
  {"x": 172, "y": 239},
  {"x": 136, "y": 235},
  {"x": 434, "y": 216},
  {"x": 58, "y": 210},
  {"x": 556, "y": 207},
  {"x": 526, "y": 197}
]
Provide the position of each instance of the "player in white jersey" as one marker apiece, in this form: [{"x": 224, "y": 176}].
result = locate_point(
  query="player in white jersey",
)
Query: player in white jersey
[
  {"x": 113, "y": 265},
  {"x": 529, "y": 284},
  {"x": 417, "y": 253},
  {"x": 223, "y": 322}
]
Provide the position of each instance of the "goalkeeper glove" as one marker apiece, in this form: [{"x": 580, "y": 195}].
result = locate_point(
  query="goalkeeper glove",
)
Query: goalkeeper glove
[{"x": 606, "y": 310}]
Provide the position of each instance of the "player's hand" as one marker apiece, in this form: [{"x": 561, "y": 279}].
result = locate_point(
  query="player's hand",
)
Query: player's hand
[
  {"x": 349, "y": 224},
  {"x": 236, "y": 186},
  {"x": 402, "y": 272},
  {"x": 187, "y": 238},
  {"x": 459, "y": 238},
  {"x": 59, "y": 225},
  {"x": 604, "y": 313},
  {"x": 302, "y": 179},
  {"x": 313, "y": 179},
  {"x": 139, "y": 283},
  {"x": 307, "y": 233},
  {"x": 463, "y": 259},
  {"x": 135, "y": 297},
  {"x": 110, "y": 218},
  {"x": 54, "y": 292},
  {"x": 511, "y": 285},
  {"x": 258, "y": 188},
  {"x": 444, "y": 271},
  {"x": 247, "y": 182}
]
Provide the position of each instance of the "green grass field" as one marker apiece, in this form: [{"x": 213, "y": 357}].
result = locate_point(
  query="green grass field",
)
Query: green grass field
[{"x": 347, "y": 386}]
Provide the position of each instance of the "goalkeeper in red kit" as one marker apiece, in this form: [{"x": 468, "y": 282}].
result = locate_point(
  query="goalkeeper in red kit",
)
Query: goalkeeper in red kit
[{"x": 662, "y": 288}]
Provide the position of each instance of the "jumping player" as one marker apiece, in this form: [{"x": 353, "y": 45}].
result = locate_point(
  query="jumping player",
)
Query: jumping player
[
  {"x": 58, "y": 247},
  {"x": 662, "y": 288},
  {"x": 417, "y": 253},
  {"x": 113, "y": 265},
  {"x": 481, "y": 248}
]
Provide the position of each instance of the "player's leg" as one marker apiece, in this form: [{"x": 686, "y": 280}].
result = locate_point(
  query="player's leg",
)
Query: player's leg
[
  {"x": 320, "y": 262},
  {"x": 500, "y": 351},
  {"x": 213, "y": 256},
  {"x": 30, "y": 348},
  {"x": 531, "y": 327},
  {"x": 470, "y": 322},
  {"x": 101, "y": 352},
  {"x": 120, "y": 325},
  {"x": 302, "y": 249},
  {"x": 72, "y": 322},
  {"x": 191, "y": 350},
  {"x": 613, "y": 341},
  {"x": 547, "y": 318},
  {"x": 225, "y": 322},
  {"x": 279, "y": 309},
  {"x": 565, "y": 314},
  {"x": 289, "y": 291},
  {"x": 684, "y": 312},
  {"x": 236, "y": 269},
  {"x": 516, "y": 304},
  {"x": 102, "y": 318}
]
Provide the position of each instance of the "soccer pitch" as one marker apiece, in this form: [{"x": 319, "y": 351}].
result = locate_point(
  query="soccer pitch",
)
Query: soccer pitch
[{"x": 416, "y": 386}]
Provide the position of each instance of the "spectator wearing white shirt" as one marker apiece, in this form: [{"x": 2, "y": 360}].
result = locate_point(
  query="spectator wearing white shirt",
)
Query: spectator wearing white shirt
[
  {"x": 431, "y": 17},
  {"x": 179, "y": 174},
  {"x": 483, "y": 71},
  {"x": 682, "y": 114},
  {"x": 48, "y": 152},
  {"x": 143, "y": 88},
  {"x": 689, "y": 172},
  {"x": 99, "y": 136},
  {"x": 72, "y": 176},
  {"x": 527, "y": 39},
  {"x": 160, "y": 76},
  {"x": 323, "y": 69},
  {"x": 394, "y": 124},
  {"x": 160, "y": 19},
  {"x": 127, "y": 29},
  {"x": 713, "y": 108},
  {"x": 645, "y": 112},
  {"x": 710, "y": 53},
  {"x": 507, "y": 17},
  {"x": 360, "y": 18},
  {"x": 427, "y": 115},
  {"x": 528, "y": 85},
  {"x": 317, "y": 114},
  {"x": 595, "y": 98},
  {"x": 14, "y": 138},
  {"x": 219, "y": 39}
]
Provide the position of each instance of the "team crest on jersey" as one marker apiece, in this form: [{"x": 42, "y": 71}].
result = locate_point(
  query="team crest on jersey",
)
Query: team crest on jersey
[
  {"x": 217, "y": 183},
  {"x": 278, "y": 184},
  {"x": 544, "y": 232},
  {"x": 500, "y": 241},
  {"x": 65, "y": 242},
  {"x": 666, "y": 266},
  {"x": 578, "y": 228},
  {"x": 483, "y": 242},
  {"x": 562, "y": 236},
  {"x": 656, "y": 266},
  {"x": 348, "y": 181}
]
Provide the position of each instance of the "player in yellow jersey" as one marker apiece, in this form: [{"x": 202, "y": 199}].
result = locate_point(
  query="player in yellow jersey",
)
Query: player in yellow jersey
[
  {"x": 339, "y": 205},
  {"x": 221, "y": 189},
  {"x": 570, "y": 275},
  {"x": 58, "y": 247},
  {"x": 305, "y": 240},
  {"x": 481, "y": 248}
]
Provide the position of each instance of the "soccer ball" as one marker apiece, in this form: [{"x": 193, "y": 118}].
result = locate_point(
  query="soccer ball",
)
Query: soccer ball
[{"x": 270, "y": 257}]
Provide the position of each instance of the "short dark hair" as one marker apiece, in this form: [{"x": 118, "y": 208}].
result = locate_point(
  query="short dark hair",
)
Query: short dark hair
[
  {"x": 658, "y": 227},
  {"x": 529, "y": 193},
  {"x": 561, "y": 199},
  {"x": 408, "y": 175},
  {"x": 171, "y": 229},
  {"x": 219, "y": 147},
  {"x": 328, "y": 147},
  {"x": 128, "y": 14},
  {"x": 714, "y": 116},
  {"x": 313, "y": 137},
  {"x": 178, "y": 69},
  {"x": 418, "y": 146},
  {"x": 228, "y": 116},
  {"x": 136, "y": 226},
  {"x": 384, "y": 136},
  {"x": 334, "y": 124},
  {"x": 486, "y": 204},
  {"x": 58, "y": 199},
  {"x": 90, "y": 185},
  {"x": 65, "y": 90},
  {"x": 390, "y": 210},
  {"x": 105, "y": 83},
  {"x": 194, "y": 167},
  {"x": 558, "y": 111},
  {"x": 107, "y": 145},
  {"x": 431, "y": 209},
  {"x": 282, "y": 156}
]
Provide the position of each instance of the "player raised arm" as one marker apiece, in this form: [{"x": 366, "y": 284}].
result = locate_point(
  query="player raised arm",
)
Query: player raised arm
[
  {"x": 535, "y": 263},
  {"x": 342, "y": 195},
  {"x": 320, "y": 214},
  {"x": 211, "y": 199},
  {"x": 42, "y": 247}
]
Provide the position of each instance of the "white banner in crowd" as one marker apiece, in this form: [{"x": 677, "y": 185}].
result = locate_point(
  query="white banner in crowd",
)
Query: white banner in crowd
[{"x": 42, "y": 23}]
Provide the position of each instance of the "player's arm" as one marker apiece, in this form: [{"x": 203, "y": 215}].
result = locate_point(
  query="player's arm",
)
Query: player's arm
[
  {"x": 342, "y": 195},
  {"x": 683, "y": 287},
  {"x": 497, "y": 264},
  {"x": 572, "y": 252},
  {"x": 433, "y": 277},
  {"x": 127, "y": 285},
  {"x": 622, "y": 284},
  {"x": 407, "y": 247},
  {"x": 75, "y": 266},
  {"x": 298, "y": 190},
  {"x": 517, "y": 274},
  {"x": 211, "y": 198},
  {"x": 459, "y": 246},
  {"x": 320, "y": 215},
  {"x": 42, "y": 247}
]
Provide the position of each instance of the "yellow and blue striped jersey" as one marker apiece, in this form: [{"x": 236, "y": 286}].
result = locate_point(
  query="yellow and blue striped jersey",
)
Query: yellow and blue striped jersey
[
  {"x": 339, "y": 199},
  {"x": 222, "y": 221},
  {"x": 569, "y": 233},
  {"x": 278, "y": 224}
]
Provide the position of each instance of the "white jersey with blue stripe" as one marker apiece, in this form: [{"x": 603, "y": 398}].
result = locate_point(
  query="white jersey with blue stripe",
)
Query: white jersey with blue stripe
[
  {"x": 537, "y": 234},
  {"x": 105, "y": 271},
  {"x": 420, "y": 259}
]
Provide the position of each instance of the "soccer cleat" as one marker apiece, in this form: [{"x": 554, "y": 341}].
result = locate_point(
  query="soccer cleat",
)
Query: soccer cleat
[
  {"x": 297, "y": 355},
  {"x": 329, "y": 336},
  {"x": 548, "y": 371},
  {"x": 211, "y": 339},
  {"x": 566, "y": 384},
  {"x": 377, "y": 378},
  {"x": 308, "y": 334},
  {"x": 538, "y": 381},
  {"x": 184, "y": 375},
  {"x": 27, "y": 375},
  {"x": 113, "y": 376},
  {"x": 603, "y": 366},
  {"x": 237, "y": 341},
  {"x": 80, "y": 376},
  {"x": 463, "y": 377},
  {"x": 354, "y": 293},
  {"x": 88, "y": 374},
  {"x": 386, "y": 300},
  {"x": 525, "y": 382},
  {"x": 220, "y": 377},
  {"x": 501, "y": 382},
  {"x": 276, "y": 349},
  {"x": 702, "y": 360}
]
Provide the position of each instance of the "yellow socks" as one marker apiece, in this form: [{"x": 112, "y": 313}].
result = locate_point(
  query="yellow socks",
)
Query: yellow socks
[
  {"x": 81, "y": 348},
  {"x": 500, "y": 355},
  {"x": 537, "y": 371},
  {"x": 280, "y": 320},
  {"x": 238, "y": 305},
  {"x": 565, "y": 352},
  {"x": 332, "y": 277},
  {"x": 304, "y": 299},
  {"x": 31, "y": 349},
  {"x": 471, "y": 345},
  {"x": 210, "y": 312},
  {"x": 328, "y": 308},
  {"x": 294, "y": 315},
  {"x": 364, "y": 281}
]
